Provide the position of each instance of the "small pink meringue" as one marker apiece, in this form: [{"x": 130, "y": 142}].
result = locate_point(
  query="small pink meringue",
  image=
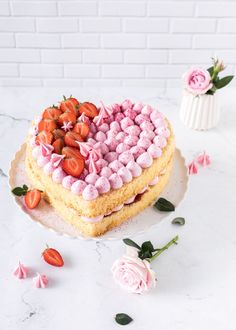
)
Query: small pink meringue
[
  {"x": 42, "y": 161},
  {"x": 68, "y": 181},
  {"x": 106, "y": 172},
  {"x": 104, "y": 128},
  {"x": 141, "y": 118},
  {"x": 147, "y": 134},
  {"x": 146, "y": 126},
  {"x": 40, "y": 281},
  {"x": 46, "y": 149},
  {"x": 102, "y": 147},
  {"x": 103, "y": 185},
  {"x": 100, "y": 136},
  {"x": 147, "y": 110},
  {"x": 115, "y": 165},
  {"x": 111, "y": 143},
  {"x": 84, "y": 148},
  {"x": 78, "y": 187},
  {"x": 133, "y": 130},
  {"x": 90, "y": 192},
  {"x": 111, "y": 156},
  {"x": 48, "y": 168},
  {"x": 115, "y": 126},
  {"x": 137, "y": 151},
  {"x": 154, "y": 151},
  {"x": 21, "y": 271},
  {"x": 67, "y": 126},
  {"x": 126, "y": 104},
  {"x": 115, "y": 181},
  {"x": 160, "y": 141},
  {"x": 144, "y": 143},
  {"x": 122, "y": 147},
  {"x": 91, "y": 178},
  {"x": 93, "y": 167},
  {"x": 120, "y": 137},
  {"x": 125, "y": 174},
  {"x": 130, "y": 113},
  {"x": 204, "y": 159},
  {"x": 138, "y": 107},
  {"x": 192, "y": 168},
  {"x": 134, "y": 168},
  {"x": 144, "y": 160},
  {"x": 56, "y": 159},
  {"x": 126, "y": 157},
  {"x": 131, "y": 140},
  {"x": 84, "y": 119},
  {"x": 126, "y": 122},
  {"x": 58, "y": 175}
]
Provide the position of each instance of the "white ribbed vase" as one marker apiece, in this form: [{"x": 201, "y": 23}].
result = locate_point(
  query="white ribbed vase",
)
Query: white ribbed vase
[{"x": 200, "y": 112}]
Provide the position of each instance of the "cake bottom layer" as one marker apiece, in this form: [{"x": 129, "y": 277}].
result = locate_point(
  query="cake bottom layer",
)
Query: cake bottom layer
[{"x": 114, "y": 219}]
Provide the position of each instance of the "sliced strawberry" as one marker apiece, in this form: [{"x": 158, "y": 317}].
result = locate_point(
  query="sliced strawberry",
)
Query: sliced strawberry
[
  {"x": 71, "y": 138},
  {"x": 47, "y": 125},
  {"x": 52, "y": 113},
  {"x": 82, "y": 129},
  {"x": 58, "y": 145},
  {"x": 53, "y": 257},
  {"x": 89, "y": 109},
  {"x": 69, "y": 105},
  {"x": 32, "y": 198},
  {"x": 73, "y": 166},
  {"x": 58, "y": 133},
  {"x": 71, "y": 152},
  {"x": 44, "y": 137},
  {"x": 66, "y": 117}
]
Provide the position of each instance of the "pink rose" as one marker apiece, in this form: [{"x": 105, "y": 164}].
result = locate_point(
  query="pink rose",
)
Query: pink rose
[
  {"x": 133, "y": 274},
  {"x": 197, "y": 81}
]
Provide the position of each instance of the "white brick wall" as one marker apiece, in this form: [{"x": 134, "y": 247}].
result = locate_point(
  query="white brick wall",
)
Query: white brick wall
[{"x": 112, "y": 42}]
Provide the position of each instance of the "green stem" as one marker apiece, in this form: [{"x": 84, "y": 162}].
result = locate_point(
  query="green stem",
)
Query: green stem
[{"x": 173, "y": 241}]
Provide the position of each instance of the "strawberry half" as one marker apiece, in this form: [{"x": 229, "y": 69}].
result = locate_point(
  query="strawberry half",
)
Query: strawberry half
[
  {"x": 52, "y": 257},
  {"x": 58, "y": 145},
  {"x": 71, "y": 138},
  {"x": 70, "y": 105},
  {"x": 89, "y": 109},
  {"x": 52, "y": 113},
  {"x": 58, "y": 133},
  {"x": 44, "y": 137},
  {"x": 32, "y": 198},
  {"x": 47, "y": 125},
  {"x": 66, "y": 117},
  {"x": 73, "y": 166},
  {"x": 71, "y": 152},
  {"x": 82, "y": 129}
]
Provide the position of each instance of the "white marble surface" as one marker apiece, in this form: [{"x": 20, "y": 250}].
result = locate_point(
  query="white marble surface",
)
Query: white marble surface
[{"x": 196, "y": 280}]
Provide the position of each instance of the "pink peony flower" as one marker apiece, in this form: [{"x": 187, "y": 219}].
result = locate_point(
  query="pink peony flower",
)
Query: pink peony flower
[
  {"x": 197, "y": 81},
  {"x": 133, "y": 274}
]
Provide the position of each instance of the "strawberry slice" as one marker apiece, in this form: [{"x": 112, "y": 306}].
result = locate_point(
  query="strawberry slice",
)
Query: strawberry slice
[
  {"x": 52, "y": 113},
  {"x": 52, "y": 257},
  {"x": 71, "y": 138},
  {"x": 66, "y": 117},
  {"x": 58, "y": 145},
  {"x": 47, "y": 125},
  {"x": 44, "y": 137},
  {"x": 82, "y": 129},
  {"x": 58, "y": 133},
  {"x": 69, "y": 105},
  {"x": 89, "y": 109},
  {"x": 71, "y": 152},
  {"x": 73, "y": 166},
  {"x": 32, "y": 198}
]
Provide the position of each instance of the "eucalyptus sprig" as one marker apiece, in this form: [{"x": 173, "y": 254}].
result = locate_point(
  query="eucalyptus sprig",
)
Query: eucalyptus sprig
[{"x": 218, "y": 82}]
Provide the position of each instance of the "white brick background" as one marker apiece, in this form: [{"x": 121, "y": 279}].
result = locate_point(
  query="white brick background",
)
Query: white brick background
[{"x": 112, "y": 43}]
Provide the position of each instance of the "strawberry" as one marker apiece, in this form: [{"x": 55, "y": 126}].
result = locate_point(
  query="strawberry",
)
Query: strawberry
[
  {"x": 82, "y": 129},
  {"x": 69, "y": 105},
  {"x": 32, "y": 198},
  {"x": 47, "y": 125},
  {"x": 52, "y": 113},
  {"x": 71, "y": 152},
  {"x": 71, "y": 138},
  {"x": 44, "y": 137},
  {"x": 89, "y": 109},
  {"x": 66, "y": 117},
  {"x": 73, "y": 165},
  {"x": 52, "y": 257},
  {"x": 58, "y": 144},
  {"x": 58, "y": 133}
]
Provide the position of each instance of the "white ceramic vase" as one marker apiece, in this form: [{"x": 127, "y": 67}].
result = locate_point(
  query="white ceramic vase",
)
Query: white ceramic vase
[{"x": 200, "y": 112}]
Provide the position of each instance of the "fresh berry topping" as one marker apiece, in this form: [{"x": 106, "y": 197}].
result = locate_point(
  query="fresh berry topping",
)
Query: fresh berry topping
[
  {"x": 82, "y": 129},
  {"x": 32, "y": 198},
  {"x": 71, "y": 139},
  {"x": 73, "y": 165},
  {"x": 53, "y": 257},
  {"x": 52, "y": 113},
  {"x": 44, "y": 137},
  {"x": 89, "y": 109},
  {"x": 58, "y": 145},
  {"x": 58, "y": 133},
  {"x": 47, "y": 125},
  {"x": 71, "y": 152},
  {"x": 67, "y": 117},
  {"x": 70, "y": 105}
]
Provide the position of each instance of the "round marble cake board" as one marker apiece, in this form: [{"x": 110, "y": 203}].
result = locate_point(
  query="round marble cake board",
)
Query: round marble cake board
[{"x": 45, "y": 215}]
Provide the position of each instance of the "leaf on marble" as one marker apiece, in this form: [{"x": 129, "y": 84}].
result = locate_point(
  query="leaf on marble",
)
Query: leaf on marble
[
  {"x": 20, "y": 191},
  {"x": 164, "y": 205},
  {"x": 129, "y": 242},
  {"x": 123, "y": 319},
  {"x": 179, "y": 221}
]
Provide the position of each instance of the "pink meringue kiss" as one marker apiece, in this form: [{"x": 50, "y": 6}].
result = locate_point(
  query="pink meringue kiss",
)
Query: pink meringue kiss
[
  {"x": 137, "y": 151},
  {"x": 42, "y": 161},
  {"x": 122, "y": 147},
  {"x": 115, "y": 165},
  {"x": 111, "y": 156},
  {"x": 144, "y": 160},
  {"x": 78, "y": 187},
  {"x": 126, "y": 122},
  {"x": 40, "y": 281},
  {"x": 126, "y": 104},
  {"x": 90, "y": 192},
  {"x": 104, "y": 128},
  {"x": 154, "y": 151},
  {"x": 106, "y": 171},
  {"x": 102, "y": 147},
  {"x": 126, "y": 157},
  {"x": 115, "y": 181},
  {"x": 138, "y": 107},
  {"x": 21, "y": 271},
  {"x": 125, "y": 174},
  {"x": 133, "y": 130},
  {"x": 141, "y": 118},
  {"x": 204, "y": 159},
  {"x": 115, "y": 126},
  {"x": 102, "y": 185},
  {"x": 131, "y": 140},
  {"x": 192, "y": 168},
  {"x": 144, "y": 143},
  {"x": 134, "y": 168},
  {"x": 68, "y": 181},
  {"x": 48, "y": 168},
  {"x": 130, "y": 113},
  {"x": 147, "y": 110},
  {"x": 146, "y": 125},
  {"x": 147, "y": 134},
  {"x": 91, "y": 178},
  {"x": 58, "y": 175},
  {"x": 100, "y": 136}
]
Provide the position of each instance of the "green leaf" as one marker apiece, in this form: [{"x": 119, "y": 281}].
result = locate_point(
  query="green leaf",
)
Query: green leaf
[
  {"x": 25, "y": 187},
  {"x": 164, "y": 205},
  {"x": 179, "y": 220},
  {"x": 210, "y": 70},
  {"x": 123, "y": 319},
  {"x": 223, "y": 82},
  {"x": 147, "y": 246},
  {"x": 18, "y": 191},
  {"x": 129, "y": 242},
  {"x": 144, "y": 254}
]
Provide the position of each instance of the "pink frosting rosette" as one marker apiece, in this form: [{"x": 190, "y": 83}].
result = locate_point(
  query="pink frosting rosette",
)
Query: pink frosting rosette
[{"x": 197, "y": 81}]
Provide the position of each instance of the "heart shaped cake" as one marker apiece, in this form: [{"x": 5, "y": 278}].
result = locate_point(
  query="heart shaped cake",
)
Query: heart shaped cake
[{"x": 99, "y": 166}]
